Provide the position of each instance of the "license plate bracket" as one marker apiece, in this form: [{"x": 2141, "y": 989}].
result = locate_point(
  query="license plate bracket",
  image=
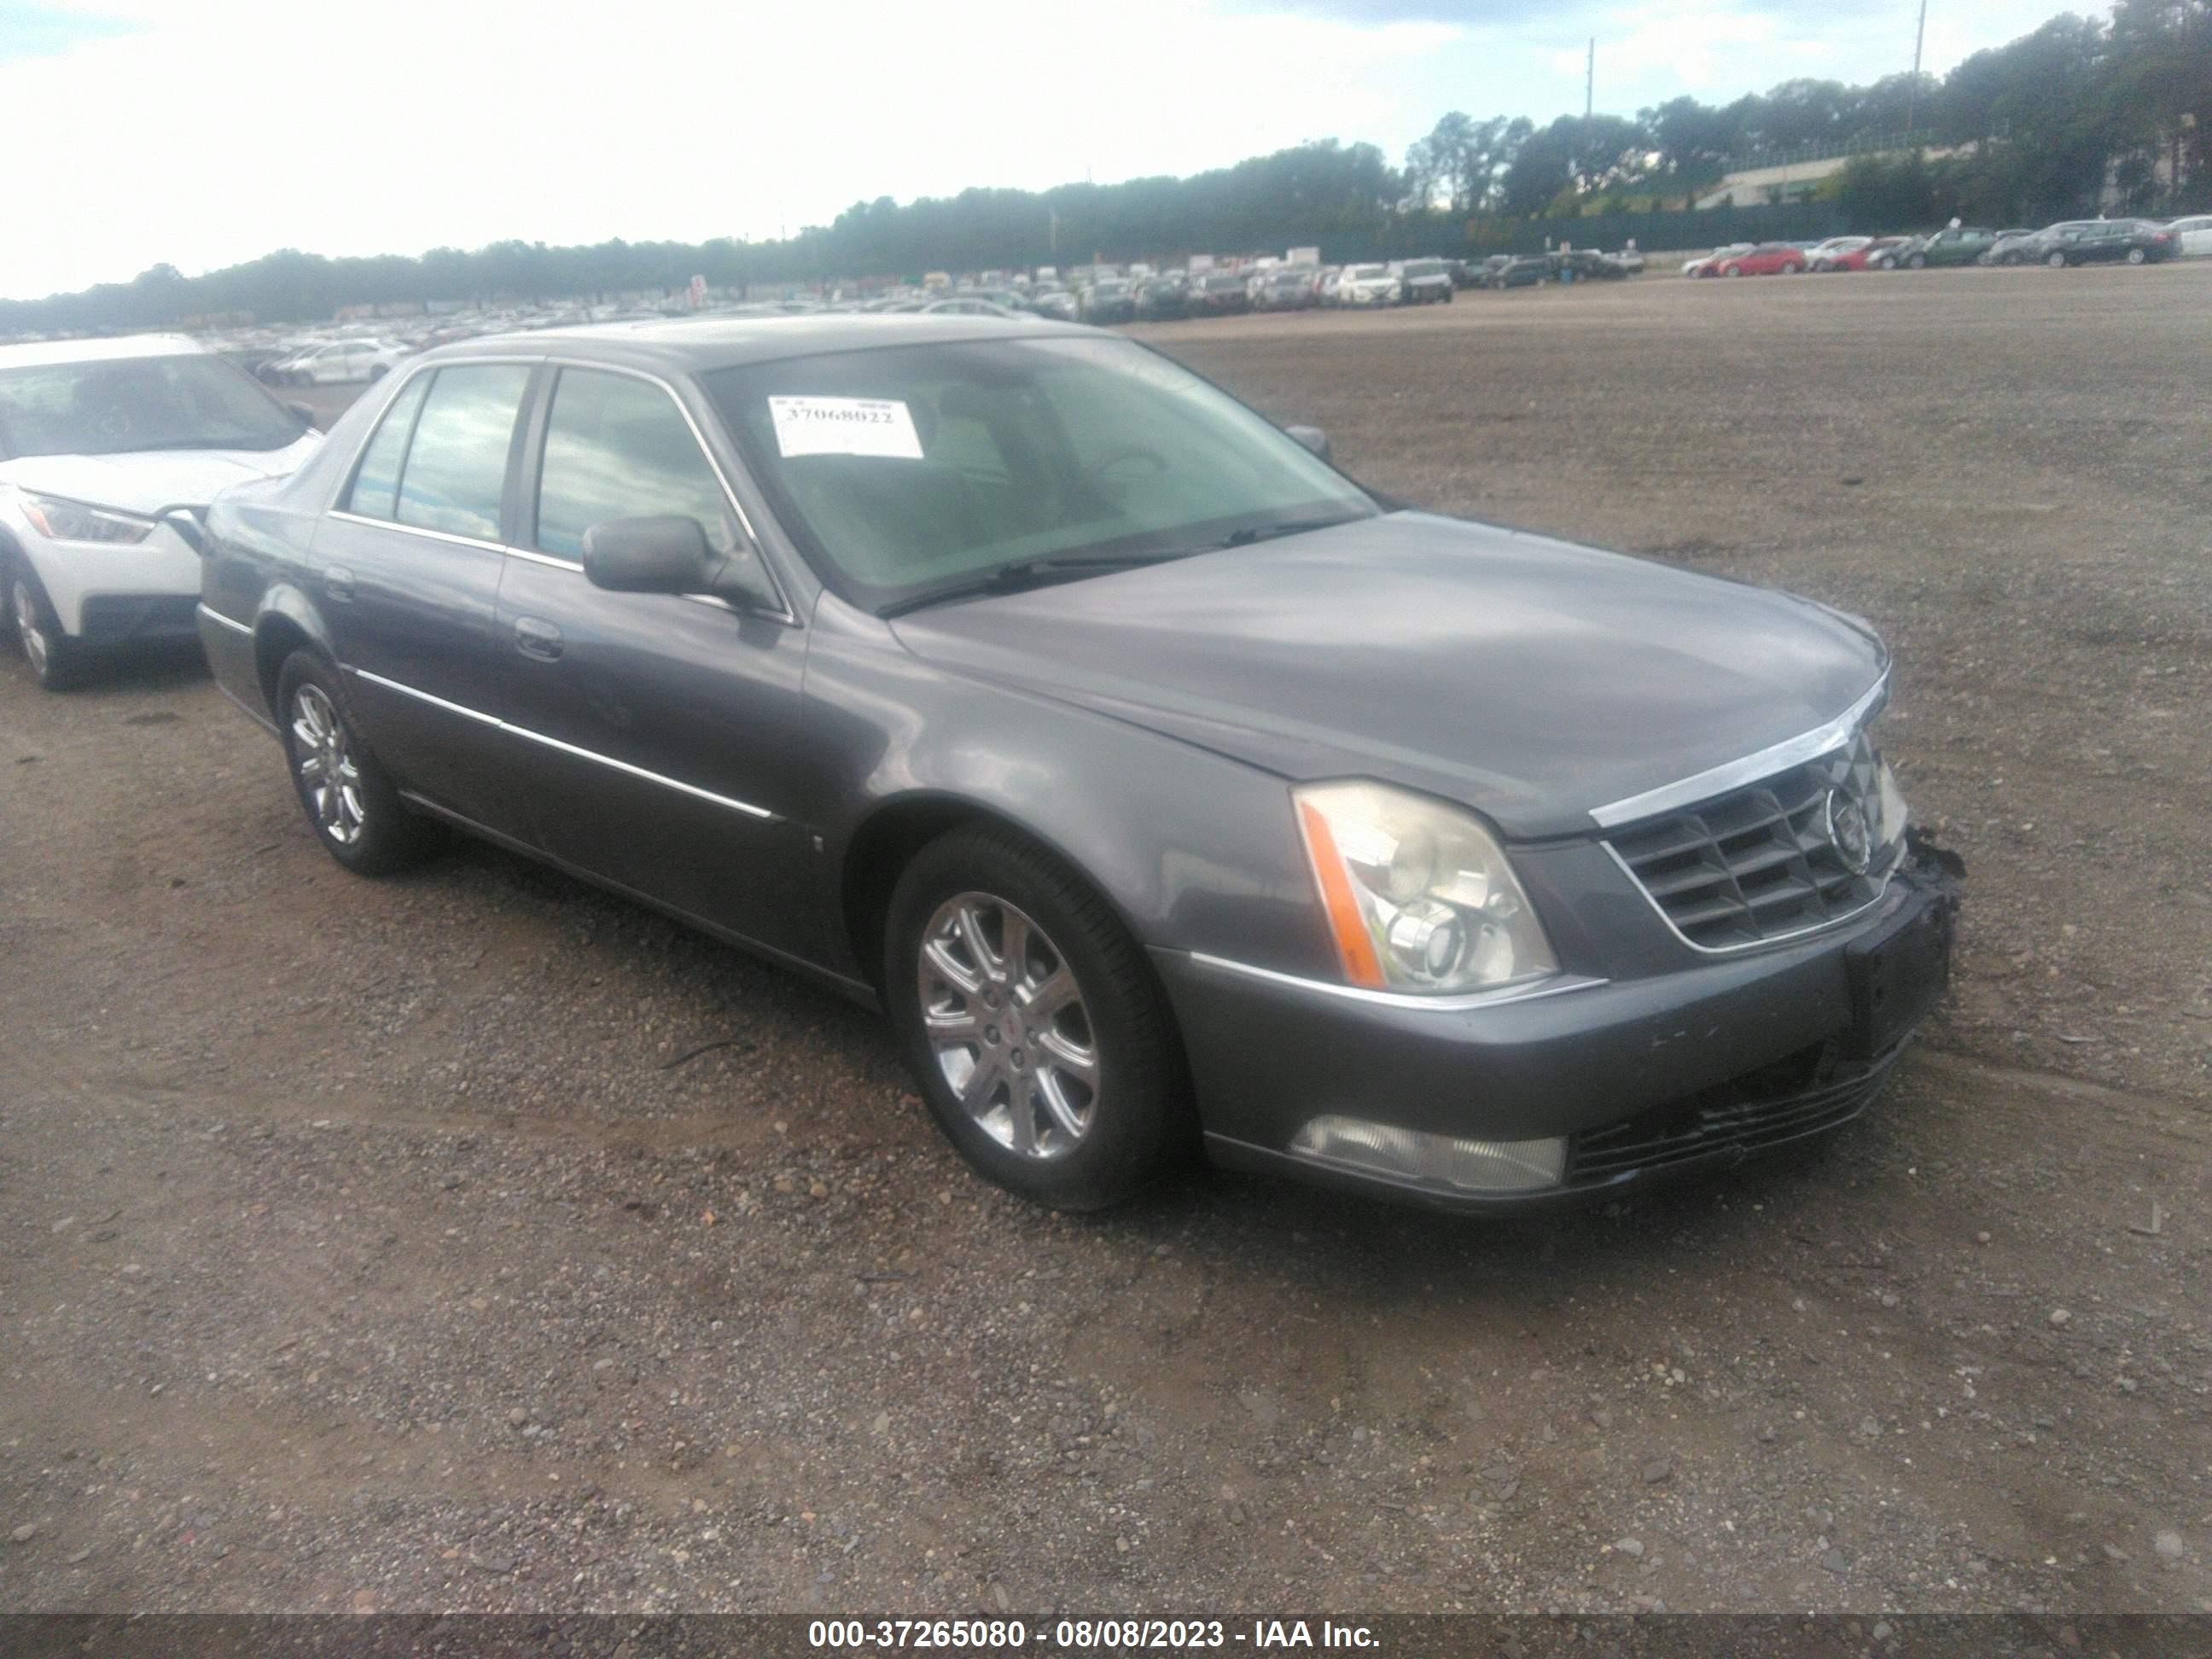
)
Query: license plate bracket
[{"x": 1897, "y": 972}]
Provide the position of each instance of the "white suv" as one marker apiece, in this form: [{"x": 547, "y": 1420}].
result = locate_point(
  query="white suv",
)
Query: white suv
[{"x": 98, "y": 438}]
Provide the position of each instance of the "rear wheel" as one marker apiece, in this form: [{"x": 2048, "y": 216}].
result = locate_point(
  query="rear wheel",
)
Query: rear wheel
[
  {"x": 1042, "y": 1044},
  {"x": 1918, "y": 262},
  {"x": 2056, "y": 261},
  {"x": 350, "y": 801},
  {"x": 57, "y": 662},
  {"x": 1731, "y": 270},
  {"x": 2135, "y": 256}
]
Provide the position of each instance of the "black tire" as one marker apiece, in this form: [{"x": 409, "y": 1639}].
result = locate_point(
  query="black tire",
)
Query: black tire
[
  {"x": 1140, "y": 1118},
  {"x": 1918, "y": 262},
  {"x": 2137, "y": 256},
  {"x": 57, "y": 662},
  {"x": 385, "y": 836},
  {"x": 2056, "y": 261}
]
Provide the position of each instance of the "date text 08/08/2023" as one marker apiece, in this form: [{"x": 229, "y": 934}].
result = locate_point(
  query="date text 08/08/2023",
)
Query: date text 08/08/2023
[{"x": 1086, "y": 1634}]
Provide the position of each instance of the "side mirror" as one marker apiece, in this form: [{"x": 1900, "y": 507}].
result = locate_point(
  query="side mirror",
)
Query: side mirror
[
  {"x": 1313, "y": 438},
  {"x": 665, "y": 554},
  {"x": 188, "y": 528},
  {"x": 669, "y": 554},
  {"x": 307, "y": 416}
]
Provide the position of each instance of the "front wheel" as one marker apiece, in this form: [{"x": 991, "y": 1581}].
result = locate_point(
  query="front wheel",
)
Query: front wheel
[
  {"x": 57, "y": 660},
  {"x": 350, "y": 801},
  {"x": 1918, "y": 262},
  {"x": 1042, "y": 1044}
]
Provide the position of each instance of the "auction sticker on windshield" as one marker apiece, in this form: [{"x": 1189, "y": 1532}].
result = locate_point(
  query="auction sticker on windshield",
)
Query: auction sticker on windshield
[{"x": 844, "y": 426}]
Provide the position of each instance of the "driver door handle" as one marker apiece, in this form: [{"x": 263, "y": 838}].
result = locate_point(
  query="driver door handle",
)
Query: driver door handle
[
  {"x": 338, "y": 582},
  {"x": 536, "y": 637}
]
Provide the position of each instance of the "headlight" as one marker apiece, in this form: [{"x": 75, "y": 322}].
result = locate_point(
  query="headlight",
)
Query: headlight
[
  {"x": 71, "y": 521},
  {"x": 1419, "y": 896}
]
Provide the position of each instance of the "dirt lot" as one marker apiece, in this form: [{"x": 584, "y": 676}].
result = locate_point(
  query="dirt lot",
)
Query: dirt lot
[{"x": 374, "y": 1245}]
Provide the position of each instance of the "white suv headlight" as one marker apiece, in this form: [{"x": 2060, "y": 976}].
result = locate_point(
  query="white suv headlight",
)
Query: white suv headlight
[
  {"x": 1419, "y": 895},
  {"x": 72, "y": 521}
]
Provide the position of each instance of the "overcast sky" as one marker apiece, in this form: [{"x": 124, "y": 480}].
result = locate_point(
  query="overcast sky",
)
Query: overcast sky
[{"x": 205, "y": 132}]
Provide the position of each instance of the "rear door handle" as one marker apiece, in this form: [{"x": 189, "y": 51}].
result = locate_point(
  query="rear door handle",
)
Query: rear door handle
[
  {"x": 338, "y": 582},
  {"x": 536, "y": 637}
]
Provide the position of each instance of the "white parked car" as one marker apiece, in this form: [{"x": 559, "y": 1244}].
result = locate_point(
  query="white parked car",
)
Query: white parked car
[
  {"x": 1368, "y": 285},
  {"x": 1705, "y": 266},
  {"x": 341, "y": 362},
  {"x": 2192, "y": 237},
  {"x": 98, "y": 439},
  {"x": 1822, "y": 256}
]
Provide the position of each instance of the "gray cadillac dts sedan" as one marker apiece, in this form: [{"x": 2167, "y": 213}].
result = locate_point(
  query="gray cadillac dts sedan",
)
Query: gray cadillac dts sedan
[{"x": 1161, "y": 784}]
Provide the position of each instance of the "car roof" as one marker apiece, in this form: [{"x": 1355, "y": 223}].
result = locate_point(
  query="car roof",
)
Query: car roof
[
  {"x": 699, "y": 345},
  {"x": 39, "y": 354}
]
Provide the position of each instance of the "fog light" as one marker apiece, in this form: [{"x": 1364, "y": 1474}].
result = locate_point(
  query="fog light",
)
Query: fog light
[{"x": 1466, "y": 1166}]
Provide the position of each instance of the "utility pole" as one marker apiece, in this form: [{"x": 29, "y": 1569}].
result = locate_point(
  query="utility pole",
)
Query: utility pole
[
  {"x": 1590, "y": 79},
  {"x": 1912, "y": 98}
]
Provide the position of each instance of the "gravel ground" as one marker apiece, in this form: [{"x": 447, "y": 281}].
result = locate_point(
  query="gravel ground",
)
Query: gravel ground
[{"x": 386, "y": 1244}]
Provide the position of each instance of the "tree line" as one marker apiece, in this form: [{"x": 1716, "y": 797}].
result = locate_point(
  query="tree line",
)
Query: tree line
[{"x": 2043, "y": 128}]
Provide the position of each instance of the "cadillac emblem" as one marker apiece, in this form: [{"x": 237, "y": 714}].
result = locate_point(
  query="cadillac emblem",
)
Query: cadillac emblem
[{"x": 1848, "y": 832}]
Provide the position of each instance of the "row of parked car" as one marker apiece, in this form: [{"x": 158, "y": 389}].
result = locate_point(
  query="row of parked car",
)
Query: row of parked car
[
  {"x": 1141, "y": 295},
  {"x": 2069, "y": 242}
]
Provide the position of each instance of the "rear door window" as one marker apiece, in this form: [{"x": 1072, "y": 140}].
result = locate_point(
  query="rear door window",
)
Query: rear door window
[{"x": 455, "y": 478}]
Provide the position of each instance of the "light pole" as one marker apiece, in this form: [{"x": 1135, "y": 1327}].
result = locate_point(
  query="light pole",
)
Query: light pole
[{"x": 1912, "y": 97}]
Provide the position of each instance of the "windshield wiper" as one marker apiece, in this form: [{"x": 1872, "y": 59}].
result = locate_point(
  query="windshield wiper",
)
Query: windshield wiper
[
  {"x": 1025, "y": 574},
  {"x": 1268, "y": 532}
]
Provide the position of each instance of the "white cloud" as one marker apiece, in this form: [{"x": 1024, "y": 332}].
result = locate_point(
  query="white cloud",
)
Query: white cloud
[
  {"x": 231, "y": 128},
  {"x": 227, "y": 128}
]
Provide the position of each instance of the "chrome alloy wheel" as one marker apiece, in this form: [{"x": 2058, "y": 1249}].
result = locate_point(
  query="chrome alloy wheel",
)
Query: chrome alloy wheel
[
  {"x": 1006, "y": 1021},
  {"x": 28, "y": 627},
  {"x": 327, "y": 773}
]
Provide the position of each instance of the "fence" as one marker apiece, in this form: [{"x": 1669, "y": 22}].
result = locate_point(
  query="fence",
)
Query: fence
[{"x": 1869, "y": 143}]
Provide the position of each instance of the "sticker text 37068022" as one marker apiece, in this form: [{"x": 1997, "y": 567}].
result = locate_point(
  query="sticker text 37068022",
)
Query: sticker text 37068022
[{"x": 844, "y": 426}]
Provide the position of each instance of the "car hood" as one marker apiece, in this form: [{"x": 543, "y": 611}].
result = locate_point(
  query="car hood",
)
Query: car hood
[
  {"x": 147, "y": 481},
  {"x": 1531, "y": 679}
]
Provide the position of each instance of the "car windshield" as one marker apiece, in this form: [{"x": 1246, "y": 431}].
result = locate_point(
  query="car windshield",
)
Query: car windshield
[
  {"x": 127, "y": 405},
  {"x": 1361, "y": 273},
  {"x": 1424, "y": 268},
  {"x": 907, "y": 470}
]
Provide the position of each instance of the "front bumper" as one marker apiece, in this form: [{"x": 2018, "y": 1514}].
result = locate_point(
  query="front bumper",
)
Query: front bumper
[
  {"x": 111, "y": 593},
  {"x": 1642, "y": 1077}
]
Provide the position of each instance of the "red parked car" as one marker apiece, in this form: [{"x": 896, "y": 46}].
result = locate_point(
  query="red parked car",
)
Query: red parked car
[
  {"x": 1767, "y": 259},
  {"x": 1860, "y": 258}
]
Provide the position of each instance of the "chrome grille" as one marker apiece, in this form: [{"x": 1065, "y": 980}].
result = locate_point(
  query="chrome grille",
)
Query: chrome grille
[{"x": 1759, "y": 863}]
